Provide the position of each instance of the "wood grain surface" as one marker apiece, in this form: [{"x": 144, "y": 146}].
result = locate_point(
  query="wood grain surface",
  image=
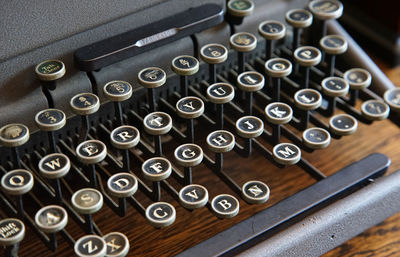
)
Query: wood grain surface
[{"x": 193, "y": 227}]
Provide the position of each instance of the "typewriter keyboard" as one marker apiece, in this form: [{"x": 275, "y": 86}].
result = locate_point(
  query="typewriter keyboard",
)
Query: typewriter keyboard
[{"x": 162, "y": 166}]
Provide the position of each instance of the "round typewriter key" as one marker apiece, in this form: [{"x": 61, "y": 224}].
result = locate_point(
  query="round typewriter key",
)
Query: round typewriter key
[
  {"x": 17, "y": 182},
  {"x": 243, "y": 42},
  {"x": 50, "y": 70},
  {"x": 157, "y": 123},
  {"x": 193, "y": 196},
  {"x": 225, "y": 206},
  {"x": 125, "y": 137},
  {"x": 214, "y": 53},
  {"x": 50, "y": 119},
  {"x": 152, "y": 77},
  {"x": 220, "y": 141},
  {"x": 343, "y": 124},
  {"x": 118, "y": 90},
  {"x": 188, "y": 155},
  {"x": 91, "y": 151},
  {"x": 357, "y": 78},
  {"x": 12, "y": 231},
  {"x": 185, "y": 65},
  {"x": 307, "y": 99},
  {"x": 160, "y": 214},
  {"x": 117, "y": 244},
  {"x": 55, "y": 165},
  {"x": 278, "y": 113},
  {"x": 90, "y": 246},
  {"x": 220, "y": 93},
  {"x": 122, "y": 185},
  {"x": 87, "y": 200},
  {"x": 190, "y": 107},
  {"x": 240, "y": 8},
  {"x": 156, "y": 169},
  {"x": 14, "y": 134},
  {"x": 51, "y": 218},
  {"x": 307, "y": 56},
  {"x": 286, "y": 153},
  {"x": 333, "y": 44},
  {"x": 375, "y": 110},
  {"x": 334, "y": 87},
  {"x": 85, "y": 103},
  {"x": 278, "y": 67},
  {"x": 392, "y": 98},
  {"x": 255, "y": 192},
  {"x": 250, "y": 81},
  {"x": 326, "y": 9},
  {"x": 249, "y": 127},
  {"x": 272, "y": 30},
  {"x": 316, "y": 138},
  {"x": 299, "y": 18}
]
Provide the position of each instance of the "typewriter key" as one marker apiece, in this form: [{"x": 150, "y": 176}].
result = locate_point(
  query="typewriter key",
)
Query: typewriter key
[
  {"x": 242, "y": 42},
  {"x": 55, "y": 165},
  {"x": 213, "y": 54},
  {"x": 286, "y": 153},
  {"x": 307, "y": 99},
  {"x": 333, "y": 45},
  {"x": 50, "y": 70},
  {"x": 90, "y": 246},
  {"x": 12, "y": 231},
  {"x": 220, "y": 141},
  {"x": 157, "y": 123},
  {"x": 190, "y": 107},
  {"x": 255, "y": 192},
  {"x": 14, "y": 134},
  {"x": 271, "y": 30},
  {"x": 334, "y": 87},
  {"x": 51, "y": 218},
  {"x": 160, "y": 214},
  {"x": 225, "y": 206},
  {"x": 358, "y": 79},
  {"x": 50, "y": 119},
  {"x": 117, "y": 90},
  {"x": 307, "y": 56},
  {"x": 185, "y": 65},
  {"x": 85, "y": 103},
  {"x": 343, "y": 124},
  {"x": 188, "y": 155},
  {"x": 151, "y": 78},
  {"x": 125, "y": 137},
  {"x": 298, "y": 19},
  {"x": 277, "y": 68},
  {"x": 91, "y": 151},
  {"x": 220, "y": 93},
  {"x": 240, "y": 8},
  {"x": 156, "y": 169},
  {"x": 117, "y": 244},
  {"x": 316, "y": 138},
  {"x": 249, "y": 82},
  {"x": 193, "y": 196},
  {"x": 122, "y": 185},
  {"x": 87, "y": 201},
  {"x": 249, "y": 127},
  {"x": 17, "y": 182},
  {"x": 392, "y": 98},
  {"x": 326, "y": 9},
  {"x": 278, "y": 113},
  {"x": 375, "y": 110}
]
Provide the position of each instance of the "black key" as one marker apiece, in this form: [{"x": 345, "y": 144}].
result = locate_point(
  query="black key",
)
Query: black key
[
  {"x": 277, "y": 68},
  {"x": 332, "y": 45},
  {"x": 142, "y": 39},
  {"x": 316, "y": 138},
  {"x": 242, "y": 42},
  {"x": 157, "y": 124},
  {"x": 298, "y": 19},
  {"x": 184, "y": 66},
  {"x": 343, "y": 124},
  {"x": 151, "y": 78},
  {"x": 160, "y": 214},
  {"x": 124, "y": 138},
  {"x": 189, "y": 108},
  {"x": 392, "y": 98},
  {"x": 219, "y": 94},
  {"x": 87, "y": 201},
  {"x": 286, "y": 153},
  {"x": 324, "y": 10},
  {"x": 122, "y": 185},
  {"x": 278, "y": 114},
  {"x": 213, "y": 54},
  {"x": 249, "y": 82},
  {"x": 12, "y": 231},
  {"x": 90, "y": 246},
  {"x": 14, "y": 135},
  {"x": 48, "y": 72},
  {"x": 225, "y": 206},
  {"x": 118, "y": 91},
  {"x": 91, "y": 152},
  {"x": 249, "y": 127},
  {"x": 117, "y": 244},
  {"x": 375, "y": 110},
  {"x": 255, "y": 192},
  {"x": 220, "y": 141},
  {"x": 333, "y": 87},
  {"x": 307, "y": 56},
  {"x": 51, "y": 120},
  {"x": 306, "y": 100},
  {"x": 188, "y": 156},
  {"x": 358, "y": 79},
  {"x": 193, "y": 196},
  {"x": 271, "y": 31}
]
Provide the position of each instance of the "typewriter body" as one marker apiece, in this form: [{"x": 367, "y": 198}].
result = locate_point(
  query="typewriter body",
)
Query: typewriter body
[{"x": 312, "y": 179}]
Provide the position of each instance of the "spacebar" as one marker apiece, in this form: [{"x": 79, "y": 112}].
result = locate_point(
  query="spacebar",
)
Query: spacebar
[{"x": 263, "y": 224}]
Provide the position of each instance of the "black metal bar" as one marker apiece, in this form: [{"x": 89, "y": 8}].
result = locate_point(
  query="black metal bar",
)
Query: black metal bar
[
  {"x": 17, "y": 159},
  {"x": 190, "y": 130},
  {"x": 152, "y": 99},
  {"x": 184, "y": 86},
  {"x": 83, "y": 135},
  {"x": 187, "y": 175},
  {"x": 89, "y": 224},
  {"x": 52, "y": 141},
  {"x": 249, "y": 103},
  {"x": 212, "y": 73},
  {"x": 276, "y": 90},
  {"x": 156, "y": 191},
  {"x": 353, "y": 97},
  {"x": 158, "y": 145},
  {"x": 92, "y": 175},
  {"x": 220, "y": 116},
  {"x": 118, "y": 113},
  {"x": 268, "y": 49},
  {"x": 241, "y": 68}
]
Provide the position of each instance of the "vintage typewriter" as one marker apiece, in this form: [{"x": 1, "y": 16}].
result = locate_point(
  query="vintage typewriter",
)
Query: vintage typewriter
[{"x": 190, "y": 128}]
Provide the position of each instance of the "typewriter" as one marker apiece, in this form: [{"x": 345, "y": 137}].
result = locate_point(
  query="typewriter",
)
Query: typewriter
[{"x": 190, "y": 128}]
